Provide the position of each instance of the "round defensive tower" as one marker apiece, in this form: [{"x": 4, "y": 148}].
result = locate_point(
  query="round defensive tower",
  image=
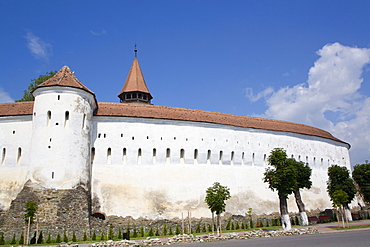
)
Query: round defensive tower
[{"x": 61, "y": 136}]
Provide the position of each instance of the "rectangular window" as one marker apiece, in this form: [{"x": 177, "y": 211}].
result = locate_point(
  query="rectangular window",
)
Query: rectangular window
[{"x": 232, "y": 158}]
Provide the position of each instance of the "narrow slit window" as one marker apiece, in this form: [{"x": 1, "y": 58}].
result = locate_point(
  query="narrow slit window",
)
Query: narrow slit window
[
  {"x": 92, "y": 155},
  {"x": 168, "y": 156},
  {"x": 253, "y": 159},
  {"x": 52, "y": 175},
  {"x": 232, "y": 158},
  {"x": 154, "y": 156},
  {"x": 48, "y": 119},
  {"x": 109, "y": 156},
  {"x": 124, "y": 156},
  {"x": 3, "y": 156},
  {"x": 19, "y": 156},
  {"x": 264, "y": 160},
  {"x": 139, "y": 154},
  {"x": 209, "y": 157},
  {"x": 84, "y": 122},
  {"x": 58, "y": 97},
  {"x": 220, "y": 158},
  {"x": 195, "y": 156},
  {"x": 243, "y": 158},
  {"x": 66, "y": 119},
  {"x": 182, "y": 156}
]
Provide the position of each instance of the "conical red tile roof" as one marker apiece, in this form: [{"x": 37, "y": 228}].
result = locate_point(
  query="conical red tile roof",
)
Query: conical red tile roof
[
  {"x": 65, "y": 77},
  {"x": 135, "y": 80}
]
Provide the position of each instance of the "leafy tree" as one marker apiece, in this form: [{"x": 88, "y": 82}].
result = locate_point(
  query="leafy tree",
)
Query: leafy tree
[
  {"x": 303, "y": 178},
  {"x": 282, "y": 178},
  {"x": 134, "y": 235},
  {"x": 13, "y": 240},
  {"x": 58, "y": 239},
  {"x": 65, "y": 236},
  {"x": 361, "y": 175},
  {"x": 74, "y": 238},
  {"x": 339, "y": 179},
  {"x": 215, "y": 199},
  {"x": 340, "y": 198},
  {"x": 27, "y": 95},
  {"x": 177, "y": 230},
  {"x": 2, "y": 240},
  {"x": 170, "y": 232},
  {"x": 30, "y": 211}
]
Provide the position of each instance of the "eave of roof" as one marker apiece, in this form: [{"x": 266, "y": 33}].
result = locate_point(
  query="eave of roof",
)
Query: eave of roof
[
  {"x": 16, "y": 109},
  {"x": 183, "y": 114}
]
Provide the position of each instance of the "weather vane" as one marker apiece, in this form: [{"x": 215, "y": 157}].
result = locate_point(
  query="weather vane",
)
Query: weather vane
[{"x": 135, "y": 50}]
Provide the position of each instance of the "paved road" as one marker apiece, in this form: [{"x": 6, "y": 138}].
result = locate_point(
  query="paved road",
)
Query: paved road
[{"x": 358, "y": 238}]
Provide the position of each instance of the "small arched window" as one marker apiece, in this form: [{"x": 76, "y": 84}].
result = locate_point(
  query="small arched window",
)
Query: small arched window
[
  {"x": 124, "y": 156},
  {"x": 195, "y": 156},
  {"x": 168, "y": 156},
  {"x": 182, "y": 156},
  {"x": 66, "y": 119},
  {"x": 154, "y": 156},
  {"x": 139, "y": 154},
  {"x": 209, "y": 157},
  {"x": 109, "y": 156},
  {"x": 48, "y": 119},
  {"x": 19, "y": 156},
  {"x": 232, "y": 158},
  {"x": 220, "y": 158},
  {"x": 3, "y": 155}
]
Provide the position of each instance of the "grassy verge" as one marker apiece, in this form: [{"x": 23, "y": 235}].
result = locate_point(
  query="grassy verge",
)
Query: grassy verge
[{"x": 351, "y": 227}]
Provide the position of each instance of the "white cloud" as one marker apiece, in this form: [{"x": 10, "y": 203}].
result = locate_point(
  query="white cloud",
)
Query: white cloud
[
  {"x": 98, "y": 33},
  {"x": 5, "y": 97},
  {"x": 38, "y": 48},
  {"x": 252, "y": 97},
  {"x": 331, "y": 89}
]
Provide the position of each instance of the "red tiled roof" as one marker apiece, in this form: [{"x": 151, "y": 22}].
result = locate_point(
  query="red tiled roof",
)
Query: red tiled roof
[
  {"x": 182, "y": 114},
  {"x": 65, "y": 77},
  {"x": 16, "y": 109},
  {"x": 135, "y": 80},
  {"x": 173, "y": 113}
]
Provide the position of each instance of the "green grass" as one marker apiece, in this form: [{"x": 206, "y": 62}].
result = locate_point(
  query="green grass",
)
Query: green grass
[{"x": 351, "y": 227}]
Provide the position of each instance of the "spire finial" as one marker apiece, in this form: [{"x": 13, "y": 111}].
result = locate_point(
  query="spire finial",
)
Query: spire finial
[{"x": 135, "y": 50}]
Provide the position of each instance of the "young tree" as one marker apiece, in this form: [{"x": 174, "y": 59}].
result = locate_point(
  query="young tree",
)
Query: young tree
[
  {"x": 339, "y": 179},
  {"x": 281, "y": 177},
  {"x": 215, "y": 199},
  {"x": 29, "y": 216},
  {"x": 27, "y": 95},
  {"x": 361, "y": 175},
  {"x": 303, "y": 179},
  {"x": 340, "y": 198}
]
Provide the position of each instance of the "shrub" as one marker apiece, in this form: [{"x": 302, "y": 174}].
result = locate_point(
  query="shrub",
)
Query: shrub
[
  {"x": 119, "y": 233},
  {"x": 2, "y": 240},
  {"x": 164, "y": 229},
  {"x": 157, "y": 232},
  {"x": 170, "y": 232},
  {"x": 150, "y": 233},
  {"x": 40, "y": 240},
  {"x": 102, "y": 237},
  {"x": 93, "y": 236},
  {"x": 65, "y": 236},
  {"x": 237, "y": 226},
  {"x": 74, "y": 239},
  {"x": 13, "y": 240},
  {"x": 85, "y": 236},
  {"x": 142, "y": 231},
  {"x": 48, "y": 240},
  {"x": 110, "y": 233},
  {"x": 177, "y": 230},
  {"x": 58, "y": 239},
  {"x": 21, "y": 239},
  {"x": 134, "y": 235},
  {"x": 228, "y": 225}
]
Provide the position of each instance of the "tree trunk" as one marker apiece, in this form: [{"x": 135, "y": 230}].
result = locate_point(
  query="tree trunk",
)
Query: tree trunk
[
  {"x": 218, "y": 224},
  {"x": 347, "y": 212},
  {"x": 285, "y": 220},
  {"x": 301, "y": 207},
  {"x": 213, "y": 223}
]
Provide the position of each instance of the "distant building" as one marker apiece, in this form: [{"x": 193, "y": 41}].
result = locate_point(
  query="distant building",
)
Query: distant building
[{"x": 136, "y": 159}]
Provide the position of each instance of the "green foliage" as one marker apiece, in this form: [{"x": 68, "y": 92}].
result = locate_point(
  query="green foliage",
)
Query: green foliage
[
  {"x": 361, "y": 175},
  {"x": 216, "y": 197},
  {"x": 243, "y": 225},
  {"x": 102, "y": 237},
  {"x": 48, "y": 239},
  {"x": 93, "y": 237},
  {"x": 142, "y": 231},
  {"x": 40, "y": 239},
  {"x": 74, "y": 239},
  {"x": 65, "y": 236},
  {"x": 232, "y": 226},
  {"x": 58, "y": 239},
  {"x": 282, "y": 175},
  {"x": 204, "y": 228},
  {"x": 30, "y": 211},
  {"x": 33, "y": 239},
  {"x": 164, "y": 229},
  {"x": 27, "y": 95},
  {"x": 177, "y": 230},
  {"x": 21, "y": 239},
  {"x": 110, "y": 232},
  {"x": 209, "y": 228},
  {"x": 119, "y": 233},
  {"x": 134, "y": 234},
  {"x": 170, "y": 232},
  {"x": 237, "y": 226},
  {"x": 13, "y": 241},
  {"x": 2, "y": 240},
  {"x": 303, "y": 174},
  {"x": 339, "y": 179},
  {"x": 339, "y": 198},
  {"x": 85, "y": 236},
  {"x": 157, "y": 232},
  {"x": 197, "y": 229},
  {"x": 150, "y": 232},
  {"x": 228, "y": 225}
]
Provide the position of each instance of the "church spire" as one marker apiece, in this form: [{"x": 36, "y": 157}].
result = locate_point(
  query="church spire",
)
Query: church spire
[{"x": 135, "y": 89}]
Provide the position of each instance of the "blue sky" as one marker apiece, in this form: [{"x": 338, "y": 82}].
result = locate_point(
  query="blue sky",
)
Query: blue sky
[{"x": 300, "y": 61}]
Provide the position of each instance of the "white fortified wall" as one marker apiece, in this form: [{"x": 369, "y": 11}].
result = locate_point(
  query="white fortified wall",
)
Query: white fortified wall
[{"x": 160, "y": 168}]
